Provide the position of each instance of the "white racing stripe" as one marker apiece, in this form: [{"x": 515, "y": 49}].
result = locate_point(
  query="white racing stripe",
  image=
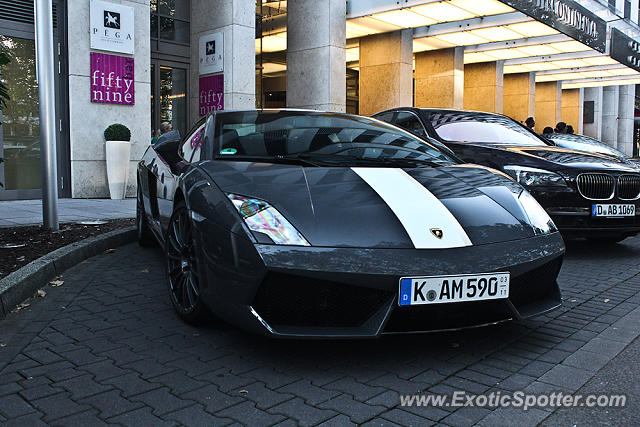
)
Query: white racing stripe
[{"x": 416, "y": 207}]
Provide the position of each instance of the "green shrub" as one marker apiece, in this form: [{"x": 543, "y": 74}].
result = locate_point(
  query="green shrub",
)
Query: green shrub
[
  {"x": 117, "y": 132},
  {"x": 4, "y": 90}
]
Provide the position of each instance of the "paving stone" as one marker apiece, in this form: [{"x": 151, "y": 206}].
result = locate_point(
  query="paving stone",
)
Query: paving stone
[
  {"x": 305, "y": 415},
  {"x": 388, "y": 399},
  {"x": 212, "y": 398},
  {"x": 140, "y": 417},
  {"x": 587, "y": 360},
  {"x": 88, "y": 418},
  {"x": 263, "y": 397},
  {"x": 162, "y": 401},
  {"x": 82, "y": 386},
  {"x": 358, "y": 390},
  {"x": 110, "y": 403},
  {"x": 131, "y": 384},
  {"x": 247, "y": 414},
  {"x": 405, "y": 418},
  {"x": 567, "y": 377},
  {"x": 58, "y": 406},
  {"x": 33, "y": 393},
  {"x": 309, "y": 392},
  {"x": 31, "y": 420},
  {"x": 12, "y": 406},
  {"x": 197, "y": 416},
  {"x": 358, "y": 412},
  {"x": 178, "y": 382}
]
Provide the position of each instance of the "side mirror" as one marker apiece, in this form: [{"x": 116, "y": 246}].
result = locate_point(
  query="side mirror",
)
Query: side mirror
[{"x": 167, "y": 146}]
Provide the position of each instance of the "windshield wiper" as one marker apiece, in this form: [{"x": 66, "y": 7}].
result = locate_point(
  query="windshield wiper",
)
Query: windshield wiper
[{"x": 268, "y": 159}]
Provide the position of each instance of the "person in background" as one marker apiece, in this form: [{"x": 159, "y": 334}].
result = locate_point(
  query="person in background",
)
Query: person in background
[
  {"x": 547, "y": 131},
  {"x": 530, "y": 123},
  {"x": 561, "y": 127},
  {"x": 165, "y": 127},
  {"x": 570, "y": 129}
]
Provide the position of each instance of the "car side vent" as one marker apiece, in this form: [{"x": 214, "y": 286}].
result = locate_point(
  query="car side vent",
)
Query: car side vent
[
  {"x": 629, "y": 187},
  {"x": 596, "y": 186}
]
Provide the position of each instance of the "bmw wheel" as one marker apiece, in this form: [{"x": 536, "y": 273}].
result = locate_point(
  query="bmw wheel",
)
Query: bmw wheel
[{"x": 182, "y": 267}]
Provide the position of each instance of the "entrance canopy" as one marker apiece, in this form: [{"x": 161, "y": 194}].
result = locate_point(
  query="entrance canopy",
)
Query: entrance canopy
[{"x": 560, "y": 40}]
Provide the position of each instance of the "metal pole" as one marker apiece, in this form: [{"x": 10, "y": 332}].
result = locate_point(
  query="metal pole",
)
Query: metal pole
[{"x": 46, "y": 90}]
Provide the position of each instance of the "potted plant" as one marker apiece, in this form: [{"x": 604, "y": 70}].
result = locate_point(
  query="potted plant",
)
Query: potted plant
[{"x": 118, "y": 150}]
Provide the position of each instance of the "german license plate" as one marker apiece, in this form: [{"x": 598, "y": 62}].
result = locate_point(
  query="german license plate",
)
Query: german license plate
[
  {"x": 613, "y": 210},
  {"x": 453, "y": 288}
]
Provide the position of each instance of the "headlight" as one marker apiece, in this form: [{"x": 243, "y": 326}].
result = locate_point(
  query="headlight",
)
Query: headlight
[
  {"x": 538, "y": 217},
  {"x": 261, "y": 217},
  {"x": 532, "y": 177}
]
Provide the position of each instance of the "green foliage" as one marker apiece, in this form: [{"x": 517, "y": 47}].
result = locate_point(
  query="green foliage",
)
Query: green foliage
[{"x": 117, "y": 132}]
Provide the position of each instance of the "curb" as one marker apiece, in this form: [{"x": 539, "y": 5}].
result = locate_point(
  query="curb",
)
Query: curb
[{"x": 23, "y": 283}]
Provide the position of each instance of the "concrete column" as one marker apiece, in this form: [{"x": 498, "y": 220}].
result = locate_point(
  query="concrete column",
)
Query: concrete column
[
  {"x": 610, "y": 104},
  {"x": 519, "y": 96},
  {"x": 594, "y": 94},
  {"x": 483, "y": 86},
  {"x": 87, "y": 120},
  {"x": 386, "y": 71},
  {"x": 439, "y": 78},
  {"x": 572, "y": 108},
  {"x": 236, "y": 20},
  {"x": 548, "y": 104},
  {"x": 626, "y": 107},
  {"x": 316, "y": 54}
]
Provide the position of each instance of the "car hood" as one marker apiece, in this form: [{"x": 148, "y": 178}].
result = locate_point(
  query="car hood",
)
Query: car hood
[
  {"x": 384, "y": 207},
  {"x": 566, "y": 158}
]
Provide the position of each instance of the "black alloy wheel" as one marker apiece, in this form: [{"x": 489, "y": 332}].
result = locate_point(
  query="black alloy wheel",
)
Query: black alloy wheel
[
  {"x": 145, "y": 236},
  {"x": 182, "y": 267}
]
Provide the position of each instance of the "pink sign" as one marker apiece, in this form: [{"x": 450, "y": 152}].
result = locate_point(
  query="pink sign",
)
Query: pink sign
[
  {"x": 211, "y": 94},
  {"x": 112, "y": 79}
]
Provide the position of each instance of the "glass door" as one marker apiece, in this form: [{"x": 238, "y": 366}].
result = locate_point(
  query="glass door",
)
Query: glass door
[
  {"x": 169, "y": 100},
  {"x": 20, "y": 121}
]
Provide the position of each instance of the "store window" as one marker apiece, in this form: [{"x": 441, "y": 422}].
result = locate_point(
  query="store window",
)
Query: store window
[
  {"x": 170, "y": 20},
  {"x": 20, "y": 118}
]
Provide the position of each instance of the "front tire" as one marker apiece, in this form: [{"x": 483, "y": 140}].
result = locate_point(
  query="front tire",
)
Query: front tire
[{"x": 183, "y": 277}]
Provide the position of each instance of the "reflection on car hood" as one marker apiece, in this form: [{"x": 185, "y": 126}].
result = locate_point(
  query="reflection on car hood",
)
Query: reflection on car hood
[
  {"x": 577, "y": 159},
  {"x": 345, "y": 207}
]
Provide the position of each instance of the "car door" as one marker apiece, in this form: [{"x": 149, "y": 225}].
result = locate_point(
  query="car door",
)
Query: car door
[{"x": 175, "y": 155}]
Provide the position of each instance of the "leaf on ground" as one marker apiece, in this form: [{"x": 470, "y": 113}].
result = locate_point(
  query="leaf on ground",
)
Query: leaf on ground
[
  {"x": 20, "y": 258},
  {"x": 21, "y": 306},
  {"x": 56, "y": 283},
  {"x": 42, "y": 293},
  {"x": 244, "y": 392},
  {"x": 607, "y": 300},
  {"x": 109, "y": 251},
  {"x": 146, "y": 270}
]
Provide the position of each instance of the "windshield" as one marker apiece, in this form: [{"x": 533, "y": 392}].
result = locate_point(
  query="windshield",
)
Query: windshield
[
  {"x": 482, "y": 128},
  {"x": 584, "y": 143},
  {"x": 319, "y": 138}
]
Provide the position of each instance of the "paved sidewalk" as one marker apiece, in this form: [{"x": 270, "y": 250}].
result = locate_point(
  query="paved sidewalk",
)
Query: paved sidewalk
[
  {"x": 29, "y": 212},
  {"x": 106, "y": 348}
]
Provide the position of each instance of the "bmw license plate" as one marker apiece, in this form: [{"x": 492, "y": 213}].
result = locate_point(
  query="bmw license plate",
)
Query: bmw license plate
[
  {"x": 454, "y": 288},
  {"x": 614, "y": 211}
]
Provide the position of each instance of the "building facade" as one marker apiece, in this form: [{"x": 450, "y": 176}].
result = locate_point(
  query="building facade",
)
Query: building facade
[{"x": 144, "y": 63}]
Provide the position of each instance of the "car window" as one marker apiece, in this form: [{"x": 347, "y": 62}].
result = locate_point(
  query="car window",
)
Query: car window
[
  {"x": 584, "y": 143},
  {"x": 385, "y": 117},
  {"x": 482, "y": 128},
  {"x": 409, "y": 121},
  {"x": 192, "y": 146},
  {"x": 328, "y": 137}
]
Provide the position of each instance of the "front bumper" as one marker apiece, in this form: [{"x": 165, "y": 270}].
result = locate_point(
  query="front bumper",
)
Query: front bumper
[
  {"x": 572, "y": 215},
  {"x": 308, "y": 292}
]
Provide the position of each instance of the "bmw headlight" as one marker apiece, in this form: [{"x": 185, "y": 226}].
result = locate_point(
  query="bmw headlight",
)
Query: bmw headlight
[
  {"x": 532, "y": 177},
  {"x": 538, "y": 217},
  {"x": 261, "y": 217}
]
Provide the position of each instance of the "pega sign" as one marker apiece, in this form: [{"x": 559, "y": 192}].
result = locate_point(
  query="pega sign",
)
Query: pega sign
[
  {"x": 211, "y": 94},
  {"x": 568, "y": 17},
  {"x": 112, "y": 27},
  {"x": 112, "y": 79}
]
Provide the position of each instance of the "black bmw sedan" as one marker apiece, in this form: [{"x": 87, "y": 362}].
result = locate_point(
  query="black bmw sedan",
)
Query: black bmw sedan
[
  {"x": 589, "y": 195},
  {"x": 309, "y": 224}
]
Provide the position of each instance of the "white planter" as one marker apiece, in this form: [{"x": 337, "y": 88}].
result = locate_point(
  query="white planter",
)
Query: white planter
[{"x": 118, "y": 153}]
